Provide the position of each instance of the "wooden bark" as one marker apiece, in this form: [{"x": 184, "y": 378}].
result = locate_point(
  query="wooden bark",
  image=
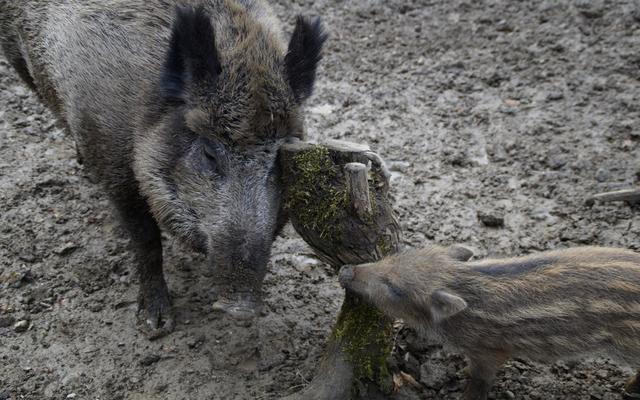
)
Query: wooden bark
[
  {"x": 631, "y": 196},
  {"x": 336, "y": 197}
]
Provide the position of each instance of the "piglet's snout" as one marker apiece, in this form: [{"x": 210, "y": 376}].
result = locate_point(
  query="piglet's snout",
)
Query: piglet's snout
[{"x": 346, "y": 275}]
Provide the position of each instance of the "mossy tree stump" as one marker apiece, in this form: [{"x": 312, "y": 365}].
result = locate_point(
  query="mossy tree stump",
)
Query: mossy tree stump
[{"x": 336, "y": 195}]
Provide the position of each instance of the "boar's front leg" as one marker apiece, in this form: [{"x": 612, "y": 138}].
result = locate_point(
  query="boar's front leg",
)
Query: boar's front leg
[{"x": 154, "y": 307}]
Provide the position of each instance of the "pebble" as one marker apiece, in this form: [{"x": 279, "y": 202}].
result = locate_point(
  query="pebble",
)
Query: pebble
[
  {"x": 19, "y": 279},
  {"x": 21, "y": 326},
  {"x": 490, "y": 219},
  {"x": 591, "y": 8},
  {"x": 555, "y": 96},
  {"x": 66, "y": 249},
  {"x": 557, "y": 163},
  {"x": 503, "y": 26},
  {"x": 433, "y": 374},
  {"x": 602, "y": 175},
  {"x": 149, "y": 359},
  {"x": 411, "y": 364}
]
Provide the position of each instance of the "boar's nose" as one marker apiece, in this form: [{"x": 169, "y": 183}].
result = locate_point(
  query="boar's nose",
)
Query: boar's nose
[{"x": 346, "y": 275}]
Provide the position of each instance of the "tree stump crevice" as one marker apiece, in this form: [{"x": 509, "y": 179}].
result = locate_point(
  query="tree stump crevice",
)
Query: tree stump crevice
[{"x": 336, "y": 195}]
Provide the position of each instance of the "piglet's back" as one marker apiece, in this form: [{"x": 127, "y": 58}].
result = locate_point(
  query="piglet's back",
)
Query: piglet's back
[{"x": 552, "y": 304}]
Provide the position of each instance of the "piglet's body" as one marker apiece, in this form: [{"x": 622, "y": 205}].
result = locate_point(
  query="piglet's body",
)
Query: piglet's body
[{"x": 554, "y": 305}]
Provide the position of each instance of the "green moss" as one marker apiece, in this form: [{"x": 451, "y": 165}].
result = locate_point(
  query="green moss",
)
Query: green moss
[
  {"x": 315, "y": 201},
  {"x": 383, "y": 245},
  {"x": 311, "y": 197},
  {"x": 366, "y": 337}
]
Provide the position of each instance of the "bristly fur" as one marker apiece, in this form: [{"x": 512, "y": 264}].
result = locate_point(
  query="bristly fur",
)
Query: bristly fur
[
  {"x": 192, "y": 53},
  {"x": 147, "y": 88},
  {"x": 562, "y": 304},
  {"x": 305, "y": 52}
]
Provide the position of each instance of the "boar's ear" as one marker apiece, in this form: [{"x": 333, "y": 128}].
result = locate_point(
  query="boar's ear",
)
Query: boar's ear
[
  {"x": 445, "y": 305},
  {"x": 303, "y": 56},
  {"x": 192, "y": 59}
]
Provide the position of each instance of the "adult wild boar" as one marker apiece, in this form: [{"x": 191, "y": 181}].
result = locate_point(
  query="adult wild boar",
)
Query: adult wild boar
[{"x": 179, "y": 109}]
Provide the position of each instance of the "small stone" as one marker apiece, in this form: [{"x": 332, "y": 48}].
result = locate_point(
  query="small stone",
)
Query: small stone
[
  {"x": 520, "y": 366},
  {"x": 591, "y": 8},
  {"x": 602, "y": 175},
  {"x": 509, "y": 394},
  {"x": 66, "y": 249},
  {"x": 411, "y": 364},
  {"x": 555, "y": 96},
  {"x": 19, "y": 279},
  {"x": 557, "y": 163},
  {"x": 21, "y": 326},
  {"x": 490, "y": 219},
  {"x": 96, "y": 306},
  {"x": 71, "y": 396},
  {"x": 503, "y": 26},
  {"x": 149, "y": 359},
  {"x": 433, "y": 374}
]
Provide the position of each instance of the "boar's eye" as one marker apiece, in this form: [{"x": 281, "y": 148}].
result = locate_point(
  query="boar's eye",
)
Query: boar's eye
[{"x": 214, "y": 154}]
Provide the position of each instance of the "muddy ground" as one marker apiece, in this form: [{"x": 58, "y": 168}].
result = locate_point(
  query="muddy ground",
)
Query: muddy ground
[{"x": 512, "y": 109}]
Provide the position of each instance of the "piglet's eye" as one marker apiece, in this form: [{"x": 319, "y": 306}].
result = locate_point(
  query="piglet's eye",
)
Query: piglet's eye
[{"x": 393, "y": 290}]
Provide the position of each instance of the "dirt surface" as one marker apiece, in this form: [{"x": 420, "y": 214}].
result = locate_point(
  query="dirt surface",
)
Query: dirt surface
[{"x": 505, "y": 112}]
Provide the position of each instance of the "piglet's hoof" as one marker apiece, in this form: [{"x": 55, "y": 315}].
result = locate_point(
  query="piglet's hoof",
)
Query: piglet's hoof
[
  {"x": 632, "y": 390},
  {"x": 240, "y": 306},
  {"x": 630, "y": 396}
]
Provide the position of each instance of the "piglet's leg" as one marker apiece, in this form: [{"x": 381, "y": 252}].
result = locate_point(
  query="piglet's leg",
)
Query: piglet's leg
[
  {"x": 481, "y": 374},
  {"x": 632, "y": 390}
]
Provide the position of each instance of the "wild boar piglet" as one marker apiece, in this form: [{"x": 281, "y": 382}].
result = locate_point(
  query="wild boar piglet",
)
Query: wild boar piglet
[{"x": 563, "y": 304}]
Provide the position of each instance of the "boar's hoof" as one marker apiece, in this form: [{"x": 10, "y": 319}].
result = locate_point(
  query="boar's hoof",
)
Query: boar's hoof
[
  {"x": 241, "y": 306},
  {"x": 155, "y": 316}
]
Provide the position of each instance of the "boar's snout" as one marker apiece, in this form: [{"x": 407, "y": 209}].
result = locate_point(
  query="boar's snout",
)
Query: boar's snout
[{"x": 346, "y": 275}]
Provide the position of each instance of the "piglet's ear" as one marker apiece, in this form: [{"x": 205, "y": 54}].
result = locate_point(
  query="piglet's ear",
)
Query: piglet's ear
[
  {"x": 192, "y": 59},
  {"x": 459, "y": 252},
  {"x": 303, "y": 56},
  {"x": 445, "y": 305}
]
